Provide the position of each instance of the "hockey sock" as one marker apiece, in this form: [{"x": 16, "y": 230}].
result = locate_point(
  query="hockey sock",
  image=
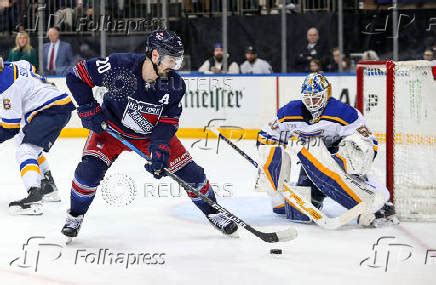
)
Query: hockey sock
[
  {"x": 30, "y": 172},
  {"x": 82, "y": 196},
  {"x": 203, "y": 206},
  {"x": 43, "y": 163},
  {"x": 193, "y": 174},
  {"x": 87, "y": 177}
]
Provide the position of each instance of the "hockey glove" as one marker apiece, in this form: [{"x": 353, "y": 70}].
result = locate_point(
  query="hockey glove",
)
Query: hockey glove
[
  {"x": 160, "y": 154},
  {"x": 92, "y": 117}
]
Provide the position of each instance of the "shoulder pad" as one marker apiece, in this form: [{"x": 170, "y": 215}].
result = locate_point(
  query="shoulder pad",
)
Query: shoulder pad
[
  {"x": 339, "y": 112},
  {"x": 291, "y": 112}
]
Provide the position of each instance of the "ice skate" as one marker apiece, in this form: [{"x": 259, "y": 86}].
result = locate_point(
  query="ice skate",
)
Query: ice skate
[
  {"x": 31, "y": 205},
  {"x": 223, "y": 224},
  {"x": 72, "y": 226},
  {"x": 49, "y": 190}
]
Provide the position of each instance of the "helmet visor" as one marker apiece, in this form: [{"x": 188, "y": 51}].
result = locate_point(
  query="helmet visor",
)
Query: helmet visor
[{"x": 171, "y": 61}]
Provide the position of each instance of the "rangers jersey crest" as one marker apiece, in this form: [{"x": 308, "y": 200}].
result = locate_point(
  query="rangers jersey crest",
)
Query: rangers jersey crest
[{"x": 141, "y": 116}]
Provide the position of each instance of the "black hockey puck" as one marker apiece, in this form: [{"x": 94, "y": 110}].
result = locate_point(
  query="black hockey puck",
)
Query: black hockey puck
[{"x": 276, "y": 251}]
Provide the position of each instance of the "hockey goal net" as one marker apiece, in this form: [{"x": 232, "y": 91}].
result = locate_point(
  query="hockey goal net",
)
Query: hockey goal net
[{"x": 398, "y": 100}]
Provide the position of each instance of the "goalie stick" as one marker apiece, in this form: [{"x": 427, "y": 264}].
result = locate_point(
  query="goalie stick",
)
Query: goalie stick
[
  {"x": 279, "y": 236},
  {"x": 295, "y": 197}
]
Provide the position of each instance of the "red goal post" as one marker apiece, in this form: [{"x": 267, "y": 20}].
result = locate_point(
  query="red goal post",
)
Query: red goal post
[{"x": 398, "y": 100}]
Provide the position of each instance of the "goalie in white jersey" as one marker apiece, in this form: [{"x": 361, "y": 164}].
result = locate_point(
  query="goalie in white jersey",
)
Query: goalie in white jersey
[
  {"x": 34, "y": 112},
  {"x": 335, "y": 150}
]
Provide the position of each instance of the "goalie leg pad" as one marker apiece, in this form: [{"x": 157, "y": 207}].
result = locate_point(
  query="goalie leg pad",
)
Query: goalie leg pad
[
  {"x": 317, "y": 197},
  {"x": 327, "y": 179},
  {"x": 274, "y": 171},
  {"x": 295, "y": 215}
]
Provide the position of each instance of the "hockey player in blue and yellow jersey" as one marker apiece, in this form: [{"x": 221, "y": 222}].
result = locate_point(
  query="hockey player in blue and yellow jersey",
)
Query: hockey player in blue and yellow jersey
[
  {"x": 142, "y": 103},
  {"x": 337, "y": 128},
  {"x": 34, "y": 111}
]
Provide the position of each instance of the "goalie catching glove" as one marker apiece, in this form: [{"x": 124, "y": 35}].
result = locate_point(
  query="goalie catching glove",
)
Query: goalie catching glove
[{"x": 357, "y": 154}]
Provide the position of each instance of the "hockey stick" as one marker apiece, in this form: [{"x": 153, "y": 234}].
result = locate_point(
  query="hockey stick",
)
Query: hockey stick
[
  {"x": 295, "y": 197},
  {"x": 280, "y": 236}
]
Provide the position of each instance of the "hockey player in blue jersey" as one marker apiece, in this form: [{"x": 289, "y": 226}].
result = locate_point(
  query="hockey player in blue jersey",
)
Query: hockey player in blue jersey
[
  {"x": 34, "y": 112},
  {"x": 339, "y": 157},
  {"x": 143, "y": 104}
]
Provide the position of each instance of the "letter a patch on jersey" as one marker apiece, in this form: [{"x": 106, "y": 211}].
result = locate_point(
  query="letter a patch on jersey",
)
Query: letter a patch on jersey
[
  {"x": 165, "y": 99},
  {"x": 141, "y": 116}
]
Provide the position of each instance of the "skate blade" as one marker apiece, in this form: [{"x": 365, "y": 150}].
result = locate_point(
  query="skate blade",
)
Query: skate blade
[
  {"x": 233, "y": 235},
  {"x": 51, "y": 197},
  {"x": 68, "y": 240},
  {"x": 33, "y": 210}
]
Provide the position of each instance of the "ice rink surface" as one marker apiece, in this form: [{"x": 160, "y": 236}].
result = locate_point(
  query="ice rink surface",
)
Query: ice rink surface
[{"x": 116, "y": 243}]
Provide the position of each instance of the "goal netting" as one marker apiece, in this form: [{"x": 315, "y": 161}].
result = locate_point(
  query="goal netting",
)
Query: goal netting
[{"x": 398, "y": 100}]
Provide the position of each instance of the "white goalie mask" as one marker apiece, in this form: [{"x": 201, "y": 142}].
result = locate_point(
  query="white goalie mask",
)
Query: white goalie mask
[
  {"x": 315, "y": 101},
  {"x": 315, "y": 92}
]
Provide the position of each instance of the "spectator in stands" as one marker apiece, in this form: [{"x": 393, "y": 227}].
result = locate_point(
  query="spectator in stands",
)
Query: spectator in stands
[
  {"x": 23, "y": 50},
  {"x": 313, "y": 49},
  {"x": 315, "y": 65},
  {"x": 9, "y": 15},
  {"x": 58, "y": 55},
  {"x": 254, "y": 65},
  {"x": 84, "y": 8},
  {"x": 215, "y": 63},
  {"x": 370, "y": 55},
  {"x": 337, "y": 60},
  {"x": 428, "y": 55}
]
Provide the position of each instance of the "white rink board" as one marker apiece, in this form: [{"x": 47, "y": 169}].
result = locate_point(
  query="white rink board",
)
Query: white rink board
[{"x": 243, "y": 101}]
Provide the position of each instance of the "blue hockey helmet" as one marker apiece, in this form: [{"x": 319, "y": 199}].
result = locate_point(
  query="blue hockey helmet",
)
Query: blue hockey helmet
[
  {"x": 168, "y": 45},
  {"x": 315, "y": 92}
]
